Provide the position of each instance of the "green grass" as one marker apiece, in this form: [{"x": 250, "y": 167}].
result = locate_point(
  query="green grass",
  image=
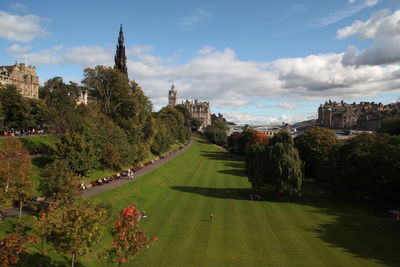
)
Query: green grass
[
  {"x": 321, "y": 228},
  {"x": 33, "y": 142}
]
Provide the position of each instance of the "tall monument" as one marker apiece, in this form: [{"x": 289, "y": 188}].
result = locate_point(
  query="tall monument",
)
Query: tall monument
[
  {"x": 120, "y": 56},
  {"x": 172, "y": 96}
]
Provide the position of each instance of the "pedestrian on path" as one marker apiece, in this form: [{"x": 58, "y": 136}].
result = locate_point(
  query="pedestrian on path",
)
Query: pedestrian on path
[{"x": 212, "y": 217}]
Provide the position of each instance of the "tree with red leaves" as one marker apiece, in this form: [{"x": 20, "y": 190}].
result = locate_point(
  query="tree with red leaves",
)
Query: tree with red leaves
[
  {"x": 12, "y": 246},
  {"x": 128, "y": 238}
]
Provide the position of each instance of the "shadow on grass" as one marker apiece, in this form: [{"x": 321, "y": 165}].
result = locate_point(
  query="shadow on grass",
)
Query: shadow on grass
[
  {"x": 353, "y": 228},
  {"x": 39, "y": 260},
  {"x": 236, "y": 164},
  {"x": 42, "y": 161},
  {"x": 226, "y": 193}
]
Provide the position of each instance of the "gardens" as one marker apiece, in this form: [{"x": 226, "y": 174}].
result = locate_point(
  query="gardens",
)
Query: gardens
[{"x": 323, "y": 227}]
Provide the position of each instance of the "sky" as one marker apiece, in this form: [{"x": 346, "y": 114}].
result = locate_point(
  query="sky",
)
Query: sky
[{"x": 255, "y": 61}]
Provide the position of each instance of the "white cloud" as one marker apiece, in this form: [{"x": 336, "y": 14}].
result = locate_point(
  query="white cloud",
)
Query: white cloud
[
  {"x": 199, "y": 16},
  {"x": 87, "y": 56},
  {"x": 21, "y": 28},
  {"x": 384, "y": 28},
  {"x": 246, "y": 118},
  {"x": 220, "y": 77},
  {"x": 19, "y": 7},
  {"x": 287, "y": 106},
  {"x": 381, "y": 24},
  {"x": 137, "y": 50},
  {"x": 16, "y": 48},
  {"x": 343, "y": 14}
]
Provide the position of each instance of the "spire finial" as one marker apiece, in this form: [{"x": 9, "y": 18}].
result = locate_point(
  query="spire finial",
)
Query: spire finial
[{"x": 120, "y": 56}]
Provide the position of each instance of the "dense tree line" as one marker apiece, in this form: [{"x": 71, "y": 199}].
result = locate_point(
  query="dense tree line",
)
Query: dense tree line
[
  {"x": 366, "y": 164},
  {"x": 240, "y": 143},
  {"x": 217, "y": 132}
]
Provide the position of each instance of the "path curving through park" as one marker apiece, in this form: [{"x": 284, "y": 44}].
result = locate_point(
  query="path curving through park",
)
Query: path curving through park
[{"x": 106, "y": 187}]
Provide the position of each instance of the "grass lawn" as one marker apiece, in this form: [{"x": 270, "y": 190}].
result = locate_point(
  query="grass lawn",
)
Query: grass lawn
[
  {"x": 33, "y": 142},
  {"x": 319, "y": 229}
]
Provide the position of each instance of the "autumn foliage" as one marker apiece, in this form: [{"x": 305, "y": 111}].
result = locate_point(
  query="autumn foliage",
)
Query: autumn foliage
[
  {"x": 12, "y": 246},
  {"x": 128, "y": 238},
  {"x": 240, "y": 143}
]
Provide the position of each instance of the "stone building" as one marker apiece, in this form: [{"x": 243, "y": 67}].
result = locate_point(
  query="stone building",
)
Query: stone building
[
  {"x": 23, "y": 77},
  {"x": 363, "y": 116},
  {"x": 198, "y": 109}
]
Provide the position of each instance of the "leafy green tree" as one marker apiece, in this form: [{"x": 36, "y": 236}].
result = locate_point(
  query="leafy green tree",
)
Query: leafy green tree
[
  {"x": 366, "y": 164},
  {"x": 277, "y": 163},
  {"x": 175, "y": 121},
  {"x": 15, "y": 173},
  {"x": 59, "y": 183},
  {"x": 107, "y": 86},
  {"x": 125, "y": 103},
  {"x": 163, "y": 139},
  {"x": 217, "y": 132},
  {"x": 73, "y": 230},
  {"x": 78, "y": 152},
  {"x": 61, "y": 99},
  {"x": 16, "y": 110},
  {"x": 39, "y": 111},
  {"x": 391, "y": 126},
  {"x": 314, "y": 145}
]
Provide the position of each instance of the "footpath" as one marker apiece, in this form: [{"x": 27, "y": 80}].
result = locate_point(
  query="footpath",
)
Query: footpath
[{"x": 94, "y": 190}]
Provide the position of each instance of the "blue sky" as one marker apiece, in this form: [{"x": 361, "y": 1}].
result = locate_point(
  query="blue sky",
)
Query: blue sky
[{"x": 254, "y": 61}]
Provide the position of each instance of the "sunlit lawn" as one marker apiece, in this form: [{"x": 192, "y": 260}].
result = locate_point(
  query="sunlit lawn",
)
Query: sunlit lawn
[{"x": 321, "y": 228}]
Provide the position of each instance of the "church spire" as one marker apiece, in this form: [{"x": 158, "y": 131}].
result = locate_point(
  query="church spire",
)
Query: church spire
[{"x": 120, "y": 57}]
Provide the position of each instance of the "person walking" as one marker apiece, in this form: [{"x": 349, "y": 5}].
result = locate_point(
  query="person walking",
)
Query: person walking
[{"x": 212, "y": 217}]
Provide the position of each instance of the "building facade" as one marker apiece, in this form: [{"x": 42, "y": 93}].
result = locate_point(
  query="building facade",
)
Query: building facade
[
  {"x": 23, "y": 77},
  {"x": 366, "y": 116},
  {"x": 199, "y": 110}
]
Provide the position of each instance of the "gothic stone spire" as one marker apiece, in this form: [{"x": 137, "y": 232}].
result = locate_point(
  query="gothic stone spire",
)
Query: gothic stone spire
[{"x": 120, "y": 57}]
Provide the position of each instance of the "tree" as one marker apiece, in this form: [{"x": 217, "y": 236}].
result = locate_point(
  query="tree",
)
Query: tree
[
  {"x": 217, "y": 132},
  {"x": 277, "y": 163},
  {"x": 391, "y": 126},
  {"x": 59, "y": 183},
  {"x": 162, "y": 139},
  {"x": 16, "y": 109},
  {"x": 12, "y": 246},
  {"x": 74, "y": 229},
  {"x": 79, "y": 153},
  {"x": 15, "y": 173},
  {"x": 61, "y": 99},
  {"x": 175, "y": 122},
  {"x": 108, "y": 86},
  {"x": 314, "y": 145},
  {"x": 129, "y": 240},
  {"x": 240, "y": 143}
]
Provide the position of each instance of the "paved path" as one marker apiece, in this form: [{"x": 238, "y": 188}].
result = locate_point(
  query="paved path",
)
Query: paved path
[{"x": 105, "y": 187}]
